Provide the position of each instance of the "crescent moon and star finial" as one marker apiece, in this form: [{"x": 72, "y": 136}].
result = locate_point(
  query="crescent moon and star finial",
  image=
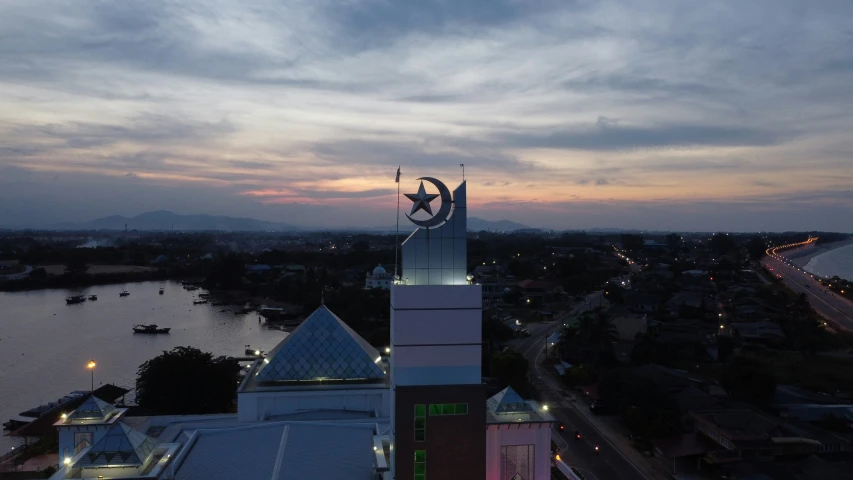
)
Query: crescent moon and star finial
[{"x": 421, "y": 202}]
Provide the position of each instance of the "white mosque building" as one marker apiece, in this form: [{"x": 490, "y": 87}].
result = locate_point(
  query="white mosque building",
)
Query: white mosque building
[
  {"x": 379, "y": 278},
  {"x": 325, "y": 404}
]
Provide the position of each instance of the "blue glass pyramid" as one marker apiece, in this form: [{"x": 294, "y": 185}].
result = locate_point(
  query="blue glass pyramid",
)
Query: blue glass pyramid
[
  {"x": 121, "y": 446},
  {"x": 507, "y": 401},
  {"x": 92, "y": 408},
  {"x": 322, "y": 348}
]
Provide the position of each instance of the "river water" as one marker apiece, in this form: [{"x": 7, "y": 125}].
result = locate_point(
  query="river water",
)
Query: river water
[{"x": 46, "y": 344}]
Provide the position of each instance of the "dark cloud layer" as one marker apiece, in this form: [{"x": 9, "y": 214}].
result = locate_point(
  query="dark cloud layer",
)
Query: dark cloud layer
[
  {"x": 198, "y": 102},
  {"x": 621, "y": 137}
]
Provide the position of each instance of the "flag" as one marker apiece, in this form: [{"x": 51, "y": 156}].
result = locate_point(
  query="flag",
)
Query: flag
[{"x": 397, "y": 180}]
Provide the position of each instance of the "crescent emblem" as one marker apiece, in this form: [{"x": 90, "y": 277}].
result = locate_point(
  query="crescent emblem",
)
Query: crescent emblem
[{"x": 443, "y": 212}]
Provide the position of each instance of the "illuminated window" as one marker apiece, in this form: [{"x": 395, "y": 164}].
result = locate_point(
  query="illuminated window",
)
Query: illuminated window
[
  {"x": 420, "y": 464},
  {"x": 448, "y": 409},
  {"x": 420, "y": 423}
]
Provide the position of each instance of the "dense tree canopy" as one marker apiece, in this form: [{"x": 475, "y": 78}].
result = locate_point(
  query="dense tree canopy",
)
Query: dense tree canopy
[
  {"x": 632, "y": 243},
  {"x": 590, "y": 341},
  {"x": 510, "y": 368},
  {"x": 186, "y": 381},
  {"x": 756, "y": 248}
]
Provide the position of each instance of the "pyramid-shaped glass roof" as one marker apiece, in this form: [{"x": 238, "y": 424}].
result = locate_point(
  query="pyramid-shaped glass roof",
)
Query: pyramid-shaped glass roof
[
  {"x": 508, "y": 401},
  {"x": 120, "y": 446},
  {"x": 92, "y": 409},
  {"x": 322, "y": 348}
]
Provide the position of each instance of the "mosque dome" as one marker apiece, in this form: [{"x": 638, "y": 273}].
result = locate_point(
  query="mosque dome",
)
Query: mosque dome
[{"x": 379, "y": 270}]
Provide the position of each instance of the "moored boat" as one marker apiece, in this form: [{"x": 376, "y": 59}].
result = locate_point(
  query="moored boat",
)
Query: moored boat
[
  {"x": 75, "y": 299},
  {"x": 161, "y": 290},
  {"x": 199, "y": 302},
  {"x": 93, "y": 297},
  {"x": 124, "y": 293},
  {"x": 150, "y": 329}
]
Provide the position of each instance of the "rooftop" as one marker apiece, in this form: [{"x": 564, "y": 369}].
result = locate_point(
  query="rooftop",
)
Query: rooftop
[
  {"x": 742, "y": 423},
  {"x": 120, "y": 446},
  {"x": 322, "y": 348},
  {"x": 93, "y": 408},
  {"x": 279, "y": 451},
  {"x": 507, "y": 406}
]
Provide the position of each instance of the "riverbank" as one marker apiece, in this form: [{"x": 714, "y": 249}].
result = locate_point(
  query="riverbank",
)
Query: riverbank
[
  {"x": 802, "y": 256},
  {"x": 42, "y": 279}
]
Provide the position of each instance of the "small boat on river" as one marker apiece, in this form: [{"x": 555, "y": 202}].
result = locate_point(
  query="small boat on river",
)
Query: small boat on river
[
  {"x": 75, "y": 299},
  {"x": 199, "y": 302},
  {"x": 93, "y": 297},
  {"x": 124, "y": 293},
  {"x": 161, "y": 290},
  {"x": 150, "y": 329}
]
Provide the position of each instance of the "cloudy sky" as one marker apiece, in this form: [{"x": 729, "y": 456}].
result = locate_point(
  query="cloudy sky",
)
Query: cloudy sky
[{"x": 655, "y": 114}]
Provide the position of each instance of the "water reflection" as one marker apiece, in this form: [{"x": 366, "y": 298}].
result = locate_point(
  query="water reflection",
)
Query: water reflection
[{"x": 46, "y": 344}]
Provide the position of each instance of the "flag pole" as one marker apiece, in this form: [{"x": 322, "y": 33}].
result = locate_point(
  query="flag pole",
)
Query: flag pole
[{"x": 397, "y": 233}]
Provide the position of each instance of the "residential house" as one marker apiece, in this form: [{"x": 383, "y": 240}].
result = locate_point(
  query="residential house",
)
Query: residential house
[
  {"x": 759, "y": 332},
  {"x": 537, "y": 291},
  {"x": 746, "y": 435},
  {"x": 642, "y": 301}
]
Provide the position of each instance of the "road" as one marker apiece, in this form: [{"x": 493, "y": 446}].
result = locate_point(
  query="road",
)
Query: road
[
  {"x": 835, "y": 309},
  {"x": 608, "y": 464}
]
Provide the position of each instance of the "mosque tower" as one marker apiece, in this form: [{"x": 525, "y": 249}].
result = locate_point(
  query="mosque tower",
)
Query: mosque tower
[{"x": 438, "y": 406}]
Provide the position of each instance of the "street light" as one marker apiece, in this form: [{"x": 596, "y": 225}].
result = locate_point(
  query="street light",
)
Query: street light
[{"x": 91, "y": 366}]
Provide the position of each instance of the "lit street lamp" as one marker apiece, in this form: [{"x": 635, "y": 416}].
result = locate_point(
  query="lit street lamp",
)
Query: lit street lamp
[{"x": 91, "y": 367}]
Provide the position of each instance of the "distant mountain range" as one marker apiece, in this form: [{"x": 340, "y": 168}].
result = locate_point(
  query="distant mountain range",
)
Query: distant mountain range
[
  {"x": 477, "y": 224},
  {"x": 165, "y": 220}
]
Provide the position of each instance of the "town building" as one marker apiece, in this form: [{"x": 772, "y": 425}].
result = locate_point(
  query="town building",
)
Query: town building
[{"x": 325, "y": 404}]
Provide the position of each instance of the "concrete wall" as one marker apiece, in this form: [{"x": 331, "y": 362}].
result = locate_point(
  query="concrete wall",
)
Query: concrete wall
[
  {"x": 436, "y": 335},
  {"x": 538, "y": 435},
  {"x": 253, "y": 406}
]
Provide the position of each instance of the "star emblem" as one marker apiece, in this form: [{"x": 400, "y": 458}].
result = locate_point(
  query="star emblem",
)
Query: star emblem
[{"x": 421, "y": 200}]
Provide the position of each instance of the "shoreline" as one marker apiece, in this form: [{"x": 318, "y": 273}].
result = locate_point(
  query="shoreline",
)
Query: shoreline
[
  {"x": 62, "y": 282},
  {"x": 802, "y": 257}
]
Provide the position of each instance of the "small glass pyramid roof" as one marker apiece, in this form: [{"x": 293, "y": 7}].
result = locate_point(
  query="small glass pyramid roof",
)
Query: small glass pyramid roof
[
  {"x": 322, "y": 348},
  {"x": 92, "y": 409},
  {"x": 507, "y": 401},
  {"x": 120, "y": 446}
]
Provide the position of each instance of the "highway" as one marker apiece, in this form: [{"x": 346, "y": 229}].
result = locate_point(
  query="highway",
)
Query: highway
[
  {"x": 609, "y": 463},
  {"x": 835, "y": 309}
]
